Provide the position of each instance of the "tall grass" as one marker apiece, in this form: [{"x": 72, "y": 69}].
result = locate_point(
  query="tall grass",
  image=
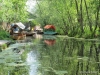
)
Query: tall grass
[{"x": 4, "y": 35}]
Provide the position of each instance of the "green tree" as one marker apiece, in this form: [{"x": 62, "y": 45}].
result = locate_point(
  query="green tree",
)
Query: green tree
[
  {"x": 13, "y": 10},
  {"x": 79, "y": 18}
]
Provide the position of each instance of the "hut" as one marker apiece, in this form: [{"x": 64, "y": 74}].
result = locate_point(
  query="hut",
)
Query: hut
[{"x": 17, "y": 31}]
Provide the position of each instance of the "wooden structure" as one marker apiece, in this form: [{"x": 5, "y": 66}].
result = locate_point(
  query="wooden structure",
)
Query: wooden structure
[
  {"x": 38, "y": 29},
  {"x": 29, "y": 33},
  {"x": 18, "y": 34}
]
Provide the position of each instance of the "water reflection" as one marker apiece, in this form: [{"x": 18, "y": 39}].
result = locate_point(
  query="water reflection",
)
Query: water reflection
[
  {"x": 49, "y": 39},
  {"x": 50, "y": 42},
  {"x": 67, "y": 56},
  {"x": 32, "y": 62},
  {"x": 71, "y": 56}
]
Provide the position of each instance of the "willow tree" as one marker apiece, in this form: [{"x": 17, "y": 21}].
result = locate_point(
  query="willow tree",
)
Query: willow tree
[
  {"x": 13, "y": 10},
  {"x": 74, "y": 18},
  {"x": 97, "y": 15},
  {"x": 57, "y": 13}
]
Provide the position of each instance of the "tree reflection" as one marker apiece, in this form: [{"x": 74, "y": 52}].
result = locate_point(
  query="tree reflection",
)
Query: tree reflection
[
  {"x": 71, "y": 56},
  {"x": 68, "y": 56}
]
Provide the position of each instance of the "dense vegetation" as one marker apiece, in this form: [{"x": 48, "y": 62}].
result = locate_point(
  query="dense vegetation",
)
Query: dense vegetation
[
  {"x": 11, "y": 11},
  {"x": 77, "y": 18}
]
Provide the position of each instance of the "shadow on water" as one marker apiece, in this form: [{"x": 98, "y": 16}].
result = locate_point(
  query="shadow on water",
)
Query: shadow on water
[{"x": 51, "y": 55}]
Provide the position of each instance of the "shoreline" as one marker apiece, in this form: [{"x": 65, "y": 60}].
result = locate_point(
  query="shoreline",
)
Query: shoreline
[{"x": 3, "y": 42}]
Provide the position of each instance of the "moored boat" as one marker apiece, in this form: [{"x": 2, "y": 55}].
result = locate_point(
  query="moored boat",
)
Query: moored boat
[
  {"x": 49, "y": 30},
  {"x": 30, "y": 33},
  {"x": 17, "y": 31},
  {"x": 18, "y": 36}
]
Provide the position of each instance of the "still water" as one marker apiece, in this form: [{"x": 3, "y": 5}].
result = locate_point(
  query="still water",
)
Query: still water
[{"x": 51, "y": 55}]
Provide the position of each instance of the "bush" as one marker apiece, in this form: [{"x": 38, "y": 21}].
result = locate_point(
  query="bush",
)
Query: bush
[{"x": 4, "y": 35}]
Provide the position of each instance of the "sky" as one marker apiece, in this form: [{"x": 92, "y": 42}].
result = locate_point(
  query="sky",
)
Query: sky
[{"x": 31, "y": 5}]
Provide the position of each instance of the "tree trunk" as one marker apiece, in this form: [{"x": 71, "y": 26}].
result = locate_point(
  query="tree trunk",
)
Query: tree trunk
[
  {"x": 90, "y": 24},
  {"x": 97, "y": 19},
  {"x": 80, "y": 17}
]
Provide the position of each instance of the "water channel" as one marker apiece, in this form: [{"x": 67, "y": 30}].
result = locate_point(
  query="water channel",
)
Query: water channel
[{"x": 51, "y": 55}]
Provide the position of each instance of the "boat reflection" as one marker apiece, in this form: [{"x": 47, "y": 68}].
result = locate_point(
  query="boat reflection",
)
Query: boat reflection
[
  {"x": 49, "y": 39},
  {"x": 37, "y": 36},
  {"x": 50, "y": 42}
]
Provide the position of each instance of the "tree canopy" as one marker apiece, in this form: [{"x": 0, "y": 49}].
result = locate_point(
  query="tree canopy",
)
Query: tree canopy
[
  {"x": 13, "y": 10},
  {"x": 71, "y": 17},
  {"x": 79, "y": 18}
]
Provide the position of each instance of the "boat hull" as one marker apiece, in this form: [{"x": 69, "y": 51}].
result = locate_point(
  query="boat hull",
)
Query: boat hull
[
  {"x": 50, "y": 33},
  {"x": 18, "y": 36}
]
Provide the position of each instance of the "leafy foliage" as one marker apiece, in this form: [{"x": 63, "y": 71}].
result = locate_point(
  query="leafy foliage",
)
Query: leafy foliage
[
  {"x": 70, "y": 17},
  {"x": 13, "y": 10},
  {"x": 4, "y": 35}
]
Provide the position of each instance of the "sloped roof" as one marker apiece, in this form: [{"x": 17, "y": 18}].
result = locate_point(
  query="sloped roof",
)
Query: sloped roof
[
  {"x": 49, "y": 27},
  {"x": 20, "y": 25}
]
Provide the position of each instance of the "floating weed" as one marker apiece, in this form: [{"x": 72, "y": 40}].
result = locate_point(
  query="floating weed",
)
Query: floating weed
[
  {"x": 16, "y": 64},
  {"x": 83, "y": 58},
  {"x": 61, "y": 72},
  {"x": 57, "y": 72},
  {"x": 48, "y": 69}
]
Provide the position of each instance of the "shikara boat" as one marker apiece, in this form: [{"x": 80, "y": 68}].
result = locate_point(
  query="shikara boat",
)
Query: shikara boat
[{"x": 49, "y": 30}]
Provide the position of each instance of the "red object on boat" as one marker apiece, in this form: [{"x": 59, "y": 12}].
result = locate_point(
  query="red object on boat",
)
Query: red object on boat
[{"x": 49, "y": 27}]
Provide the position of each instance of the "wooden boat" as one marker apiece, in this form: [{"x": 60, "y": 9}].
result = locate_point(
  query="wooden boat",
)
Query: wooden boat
[
  {"x": 30, "y": 33},
  {"x": 18, "y": 36}
]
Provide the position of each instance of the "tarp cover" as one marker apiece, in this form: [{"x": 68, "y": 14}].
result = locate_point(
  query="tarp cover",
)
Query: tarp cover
[
  {"x": 19, "y": 24},
  {"x": 49, "y": 27}
]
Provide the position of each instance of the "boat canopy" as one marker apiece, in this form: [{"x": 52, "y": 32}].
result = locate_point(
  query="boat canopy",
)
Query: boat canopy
[
  {"x": 49, "y": 27},
  {"x": 20, "y": 25}
]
